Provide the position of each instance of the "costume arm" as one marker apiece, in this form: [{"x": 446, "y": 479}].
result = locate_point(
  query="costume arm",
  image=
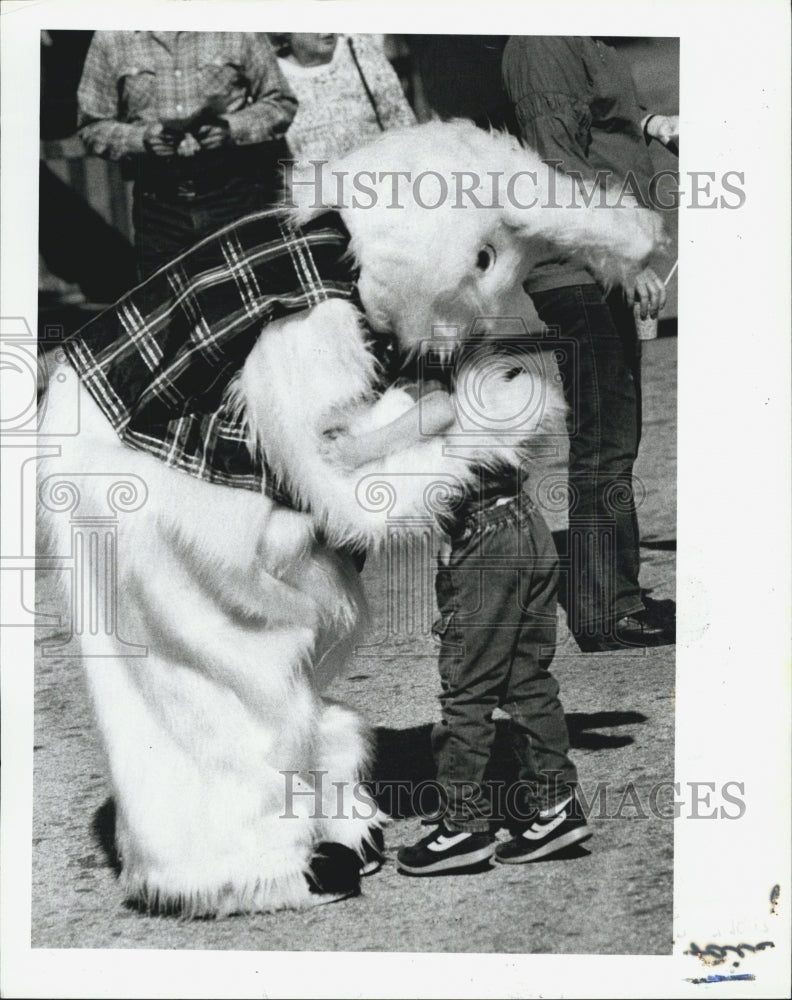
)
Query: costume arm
[
  {"x": 272, "y": 103},
  {"x": 97, "y": 102},
  {"x": 431, "y": 415}
]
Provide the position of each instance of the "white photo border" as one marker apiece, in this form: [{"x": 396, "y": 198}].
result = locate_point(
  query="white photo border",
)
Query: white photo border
[{"x": 732, "y": 695}]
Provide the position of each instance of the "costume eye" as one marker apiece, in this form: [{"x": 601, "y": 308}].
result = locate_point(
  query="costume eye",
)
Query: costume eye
[{"x": 486, "y": 258}]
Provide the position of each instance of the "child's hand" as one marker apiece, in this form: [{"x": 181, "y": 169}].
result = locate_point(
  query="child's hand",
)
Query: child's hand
[
  {"x": 333, "y": 433},
  {"x": 338, "y": 448}
]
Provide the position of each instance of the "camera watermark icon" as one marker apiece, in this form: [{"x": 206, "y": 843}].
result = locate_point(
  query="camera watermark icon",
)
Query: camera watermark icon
[{"x": 92, "y": 503}]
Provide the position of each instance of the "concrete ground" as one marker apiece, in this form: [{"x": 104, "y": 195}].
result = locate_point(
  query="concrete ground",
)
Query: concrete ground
[{"x": 614, "y": 896}]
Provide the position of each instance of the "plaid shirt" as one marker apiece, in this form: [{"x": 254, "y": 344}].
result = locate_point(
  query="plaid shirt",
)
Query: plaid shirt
[
  {"x": 159, "y": 361},
  {"x": 131, "y": 78}
]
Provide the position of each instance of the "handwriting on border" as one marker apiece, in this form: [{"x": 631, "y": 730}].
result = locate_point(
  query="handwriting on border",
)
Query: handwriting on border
[{"x": 716, "y": 954}]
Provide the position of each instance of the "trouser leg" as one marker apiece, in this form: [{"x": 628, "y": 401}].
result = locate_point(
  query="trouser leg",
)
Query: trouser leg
[
  {"x": 498, "y": 614},
  {"x": 166, "y": 226},
  {"x": 163, "y": 230},
  {"x": 600, "y": 371},
  {"x": 539, "y": 734}
]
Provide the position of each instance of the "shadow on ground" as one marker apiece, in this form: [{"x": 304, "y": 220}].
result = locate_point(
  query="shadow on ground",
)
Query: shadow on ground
[{"x": 404, "y": 774}]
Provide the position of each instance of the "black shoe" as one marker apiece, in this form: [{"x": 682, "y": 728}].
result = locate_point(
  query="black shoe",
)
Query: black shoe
[
  {"x": 662, "y": 611},
  {"x": 445, "y": 850},
  {"x": 637, "y": 631},
  {"x": 373, "y": 852},
  {"x": 544, "y": 837}
]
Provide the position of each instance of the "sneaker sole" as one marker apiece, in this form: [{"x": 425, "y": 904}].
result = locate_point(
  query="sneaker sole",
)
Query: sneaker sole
[
  {"x": 448, "y": 864},
  {"x": 573, "y": 837}
]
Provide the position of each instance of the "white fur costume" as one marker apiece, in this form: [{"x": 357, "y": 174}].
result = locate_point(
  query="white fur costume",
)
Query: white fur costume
[{"x": 247, "y": 616}]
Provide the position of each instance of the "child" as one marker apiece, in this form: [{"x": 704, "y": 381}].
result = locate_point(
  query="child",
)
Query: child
[{"x": 496, "y": 594}]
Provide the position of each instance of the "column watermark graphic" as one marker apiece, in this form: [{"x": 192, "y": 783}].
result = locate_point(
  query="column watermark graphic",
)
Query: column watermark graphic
[{"x": 93, "y": 503}]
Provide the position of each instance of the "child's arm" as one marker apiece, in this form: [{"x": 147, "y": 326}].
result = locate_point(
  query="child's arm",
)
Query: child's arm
[{"x": 431, "y": 415}]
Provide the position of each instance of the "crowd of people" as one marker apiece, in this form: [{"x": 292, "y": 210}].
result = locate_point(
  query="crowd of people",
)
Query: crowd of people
[{"x": 200, "y": 122}]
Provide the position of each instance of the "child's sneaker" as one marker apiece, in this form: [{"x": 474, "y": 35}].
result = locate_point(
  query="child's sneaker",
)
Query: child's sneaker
[
  {"x": 446, "y": 850},
  {"x": 550, "y": 832}
]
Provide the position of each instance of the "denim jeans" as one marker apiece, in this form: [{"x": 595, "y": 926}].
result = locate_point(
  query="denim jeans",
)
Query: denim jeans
[
  {"x": 600, "y": 367},
  {"x": 497, "y": 601},
  {"x": 167, "y": 225}
]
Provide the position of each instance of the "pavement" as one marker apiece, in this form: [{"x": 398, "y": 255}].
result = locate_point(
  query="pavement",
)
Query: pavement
[{"x": 613, "y": 896}]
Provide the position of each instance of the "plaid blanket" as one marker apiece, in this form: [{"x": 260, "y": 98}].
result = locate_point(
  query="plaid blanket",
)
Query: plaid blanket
[{"x": 159, "y": 361}]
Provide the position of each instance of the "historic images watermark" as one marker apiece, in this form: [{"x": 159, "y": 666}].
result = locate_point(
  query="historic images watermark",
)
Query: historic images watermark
[
  {"x": 668, "y": 190},
  {"x": 309, "y": 792}
]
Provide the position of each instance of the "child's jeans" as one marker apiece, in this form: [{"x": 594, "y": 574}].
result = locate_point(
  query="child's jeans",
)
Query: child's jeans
[{"x": 496, "y": 595}]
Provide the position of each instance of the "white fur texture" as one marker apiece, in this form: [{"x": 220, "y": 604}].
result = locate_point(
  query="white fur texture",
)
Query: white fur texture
[
  {"x": 246, "y": 619},
  {"x": 246, "y": 614},
  {"x": 428, "y": 275},
  {"x": 326, "y": 370}
]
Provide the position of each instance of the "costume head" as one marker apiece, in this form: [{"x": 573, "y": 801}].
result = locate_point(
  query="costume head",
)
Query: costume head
[{"x": 448, "y": 221}]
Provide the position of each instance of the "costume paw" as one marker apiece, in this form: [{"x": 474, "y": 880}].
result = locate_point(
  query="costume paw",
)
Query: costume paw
[{"x": 335, "y": 870}]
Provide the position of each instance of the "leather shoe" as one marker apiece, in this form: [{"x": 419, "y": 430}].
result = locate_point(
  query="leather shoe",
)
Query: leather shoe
[{"x": 637, "y": 631}]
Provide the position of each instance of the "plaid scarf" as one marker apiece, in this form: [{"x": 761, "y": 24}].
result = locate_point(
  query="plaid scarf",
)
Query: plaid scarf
[{"x": 159, "y": 361}]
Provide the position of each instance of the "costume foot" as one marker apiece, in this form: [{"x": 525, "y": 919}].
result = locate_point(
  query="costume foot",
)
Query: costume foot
[
  {"x": 660, "y": 611},
  {"x": 334, "y": 871}
]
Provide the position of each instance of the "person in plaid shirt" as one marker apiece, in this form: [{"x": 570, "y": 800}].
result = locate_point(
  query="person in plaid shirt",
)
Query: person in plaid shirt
[{"x": 197, "y": 119}]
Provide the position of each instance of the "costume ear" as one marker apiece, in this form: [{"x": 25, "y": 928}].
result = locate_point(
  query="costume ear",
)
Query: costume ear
[{"x": 609, "y": 232}]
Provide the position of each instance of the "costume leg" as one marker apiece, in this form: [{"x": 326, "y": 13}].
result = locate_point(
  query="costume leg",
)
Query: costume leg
[{"x": 343, "y": 753}]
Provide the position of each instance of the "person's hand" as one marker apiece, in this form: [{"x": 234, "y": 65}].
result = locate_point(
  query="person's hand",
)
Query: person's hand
[
  {"x": 215, "y": 135},
  {"x": 649, "y": 291},
  {"x": 189, "y": 146},
  {"x": 158, "y": 140},
  {"x": 338, "y": 448},
  {"x": 664, "y": 128}
]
